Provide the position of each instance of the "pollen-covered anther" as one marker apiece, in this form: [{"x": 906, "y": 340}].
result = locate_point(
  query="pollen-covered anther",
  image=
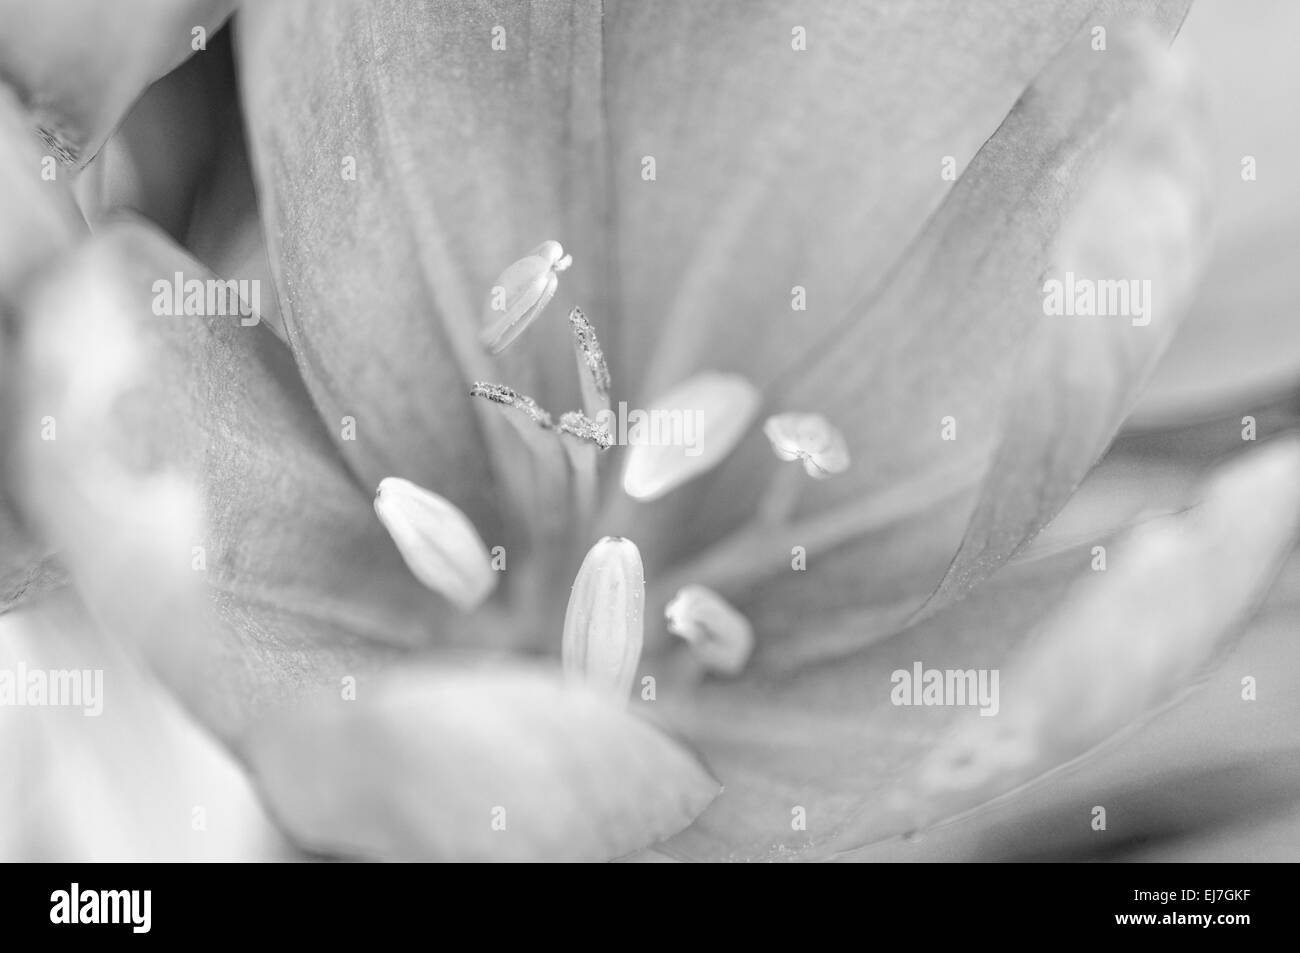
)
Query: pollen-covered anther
[
  {"x": 593, "y": 372},
  {"x": 810, "y": 438},
  {"x": 604, "y": 624},
  {"x": 718, "y": 635},
  {"x": 509, "y": 397},
  {"x": 577, "y": 424},
  {"x": 437, "y": 541},
  {"x": 521, "y": 293},
  {"x": 686, "y": 432}
]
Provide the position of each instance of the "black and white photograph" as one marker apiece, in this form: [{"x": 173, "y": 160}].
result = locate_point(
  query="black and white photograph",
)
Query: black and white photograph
[{"x": 649, "y": 431}]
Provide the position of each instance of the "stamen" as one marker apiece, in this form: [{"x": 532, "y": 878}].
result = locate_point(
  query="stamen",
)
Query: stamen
[
  {"x": 781, "y": 498},
  {"x": 437, "y": 541},
  {"x": 509, "y": 397},
  {"x": 810, "y": 438},
  {"x": 541, "y": 488},
  {"x": 577, "y": 424},
  {"x": 593, "y": 372},
  {"x": 720, "y": 637},
  {"x": 807, "y": 437},
  {"x": 583, "y": 440},
  {"x": 604, "y": 624},
  {"x": 521, "y": 293},
  {"x": 692, "y": 429}
]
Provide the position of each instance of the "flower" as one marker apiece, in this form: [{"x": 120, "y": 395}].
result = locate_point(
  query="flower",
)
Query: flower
[{"x": 392, "y": 684}]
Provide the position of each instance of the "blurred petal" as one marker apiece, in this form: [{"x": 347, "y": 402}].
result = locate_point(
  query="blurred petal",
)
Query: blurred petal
[
  {"x": 1211, "y": 778},
  {"x": 1144, "y": 217},
  {"x": 1125, "y": 642},
  {"x": 137, "y": 781},
  {"x": 154, "y": 160},
  {"x": 777, "y": 167},
  {"x": 41, "y": 219},
  {"x": 225, "y": 229},
  {"x": 935, "y": 342},
  {"x": 40, "y": 222},
  {"x": 1104, "y": 649},
  {"x": 78, "y": 65},
  {"x": 1240, "y": 343},
  {"x": 1151, "y": 473},
  {"x": 158, "y": 415},
  {"x": 179, "y": 159},
  {"x": 456, "y": 765},
  {"x": 465, "y": 157}
]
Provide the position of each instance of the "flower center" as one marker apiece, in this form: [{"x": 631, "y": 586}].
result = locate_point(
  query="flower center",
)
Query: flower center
[{"x": 684, "y": 434}]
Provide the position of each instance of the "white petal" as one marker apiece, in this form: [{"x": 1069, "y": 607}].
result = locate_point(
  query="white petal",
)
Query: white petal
[
  {"x": 498, "y": 763},
  {"x": 1125, "y": 641}
]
